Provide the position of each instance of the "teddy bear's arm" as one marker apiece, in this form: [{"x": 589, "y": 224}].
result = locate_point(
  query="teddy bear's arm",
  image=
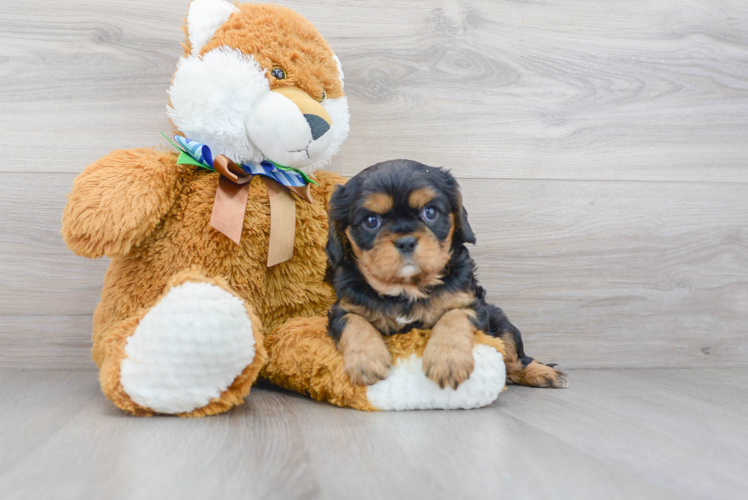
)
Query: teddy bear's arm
[{"x": 117, "y": 200}]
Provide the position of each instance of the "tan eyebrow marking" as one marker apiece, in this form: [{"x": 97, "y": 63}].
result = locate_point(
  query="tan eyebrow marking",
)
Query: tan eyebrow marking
[
  {"x": 420, "y": 197},
  {"x": 380, "y": 203}
]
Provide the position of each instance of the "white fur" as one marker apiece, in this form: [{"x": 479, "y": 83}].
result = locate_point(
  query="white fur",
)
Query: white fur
[
  {"x": 340, "y": 70},
  {"x": 407, "y": 388},
  {"x": 402, "y": 320},
  {"x": 223, "y": 99},
  {"x": 278, "y": 128},
  {"x": 338, "y": 111},
  {"x": 188, "y": 349},
  {"x": 408, "y": 271},
  {"x": 204, "y": 18},
  {"x": 211, "y": 97}
]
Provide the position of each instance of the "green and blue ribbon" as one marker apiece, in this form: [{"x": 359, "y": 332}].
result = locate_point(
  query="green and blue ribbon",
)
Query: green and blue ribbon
[{"x": 198, "y": 154}]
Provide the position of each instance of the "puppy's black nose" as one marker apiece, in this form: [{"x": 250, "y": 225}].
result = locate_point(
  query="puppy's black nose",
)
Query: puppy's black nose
[
  {"x": 318, "y": 126},
  {"x": 406, "y": 244}
]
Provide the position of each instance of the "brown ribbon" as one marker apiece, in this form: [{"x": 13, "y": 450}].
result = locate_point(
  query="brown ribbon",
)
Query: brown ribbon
[
  {"x": 231, "y": 204},
  {"x": 231, "y": 170},
  {"x": 229, "y": 208}
]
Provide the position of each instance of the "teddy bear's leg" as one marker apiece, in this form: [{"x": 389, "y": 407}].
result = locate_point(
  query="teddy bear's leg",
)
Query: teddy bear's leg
[
  {"x": 195, "y": 352},
  {"x": 303, "y": 358}
]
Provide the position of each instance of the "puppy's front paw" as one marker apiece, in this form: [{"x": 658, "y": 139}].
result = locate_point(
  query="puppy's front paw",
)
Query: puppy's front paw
[
  {"x": 447, "y": 366},
  {"x": 368, "y": 364}
]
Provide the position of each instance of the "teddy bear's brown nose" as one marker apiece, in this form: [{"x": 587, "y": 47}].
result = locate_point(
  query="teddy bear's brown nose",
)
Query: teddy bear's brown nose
[{"x": 318, "y": 126}]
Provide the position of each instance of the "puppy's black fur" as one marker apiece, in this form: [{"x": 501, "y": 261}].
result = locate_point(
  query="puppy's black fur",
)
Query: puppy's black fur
[{"x": 350, "y": 218}]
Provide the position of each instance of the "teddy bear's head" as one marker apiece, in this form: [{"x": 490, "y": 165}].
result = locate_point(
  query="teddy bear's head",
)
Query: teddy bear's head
[{"x": 258, "y": 82}]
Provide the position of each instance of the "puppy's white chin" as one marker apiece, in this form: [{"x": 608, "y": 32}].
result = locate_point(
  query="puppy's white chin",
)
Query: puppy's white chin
[{"x": 408, "y": 271}]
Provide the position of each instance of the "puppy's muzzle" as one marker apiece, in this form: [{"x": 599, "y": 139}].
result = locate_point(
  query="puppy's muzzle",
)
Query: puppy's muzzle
[{"x": 406, "y": 245}]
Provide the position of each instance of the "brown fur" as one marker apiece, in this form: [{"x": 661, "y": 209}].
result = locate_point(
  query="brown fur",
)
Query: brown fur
[
  {"x": 151, "y": 216},
  {"x": 279, "y": 37},
  {"x": 420, "y": 197},
  {"x": 364, "y": 353},
  {"x": 319, "y": 372},
  {"x": 534, "y": 374},
  {"x": 380, "y": 203},
  {"x": 380, "y": 265},
  {"x": 119, "y": 199},
  {"x": 185, "y": 239},
  {"x": 153, "y": 234},
  {"x": 448, "y": 357}
]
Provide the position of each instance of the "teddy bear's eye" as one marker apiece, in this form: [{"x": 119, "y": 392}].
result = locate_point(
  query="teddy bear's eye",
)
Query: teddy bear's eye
[
  {"x": 323, "y": 97},
  {"x": 278, "y": 73}
]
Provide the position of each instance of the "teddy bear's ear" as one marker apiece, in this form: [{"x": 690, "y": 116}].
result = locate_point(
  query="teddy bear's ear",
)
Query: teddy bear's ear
[{"x": 204, "y": 18}]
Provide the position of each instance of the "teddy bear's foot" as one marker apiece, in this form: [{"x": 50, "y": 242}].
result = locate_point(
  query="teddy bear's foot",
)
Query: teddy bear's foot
[{"x": 196, "y": 352}]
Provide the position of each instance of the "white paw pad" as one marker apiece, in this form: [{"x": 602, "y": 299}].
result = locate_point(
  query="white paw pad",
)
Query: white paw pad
[
  {"x": 407, "y": 387},
  {"x": 188, "y": 349}
]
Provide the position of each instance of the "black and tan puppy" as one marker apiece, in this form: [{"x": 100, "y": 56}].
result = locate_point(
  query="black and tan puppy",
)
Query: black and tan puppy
[{"x": 397, "y": 250}]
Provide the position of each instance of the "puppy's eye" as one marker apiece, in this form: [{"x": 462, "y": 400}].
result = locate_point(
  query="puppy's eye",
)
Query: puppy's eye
[
  {"x": 372, "y": 222},
  {"x": 429, "y": 214},
  {"x": 323, "y": 96},
  {"x": 278, "y": 73}
]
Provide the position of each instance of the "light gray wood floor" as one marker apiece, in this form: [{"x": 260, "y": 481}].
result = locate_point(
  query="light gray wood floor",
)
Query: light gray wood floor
[{"x": 614, "y": 434}]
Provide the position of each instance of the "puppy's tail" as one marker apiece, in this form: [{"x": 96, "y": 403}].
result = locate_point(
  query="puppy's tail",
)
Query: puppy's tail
[{"x": 521, "y": 368}]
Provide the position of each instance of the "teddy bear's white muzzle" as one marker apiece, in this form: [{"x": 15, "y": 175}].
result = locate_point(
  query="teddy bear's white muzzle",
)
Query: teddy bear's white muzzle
[{"x": 286, "y": 135}]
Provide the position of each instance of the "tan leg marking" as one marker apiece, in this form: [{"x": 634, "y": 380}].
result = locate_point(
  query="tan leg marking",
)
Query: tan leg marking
[
  {"x": 364, "y": 352},
  {"x": 448, "y": 357},
  {"x": 533, "y": 375}
]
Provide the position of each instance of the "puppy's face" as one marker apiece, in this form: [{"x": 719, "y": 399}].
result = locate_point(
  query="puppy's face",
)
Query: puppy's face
[{"x": 398, "y": 221}]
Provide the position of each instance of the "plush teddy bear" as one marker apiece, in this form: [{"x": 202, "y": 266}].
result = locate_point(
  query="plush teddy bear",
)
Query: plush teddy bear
[{"x": 217, "y": 269}]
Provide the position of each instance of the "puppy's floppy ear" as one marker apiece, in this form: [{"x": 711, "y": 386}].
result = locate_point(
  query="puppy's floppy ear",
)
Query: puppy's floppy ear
[
  {"x": 337, "y": 243},
  {"x": 463, "y": 231},
  {"x": 463, "y": 228}
]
